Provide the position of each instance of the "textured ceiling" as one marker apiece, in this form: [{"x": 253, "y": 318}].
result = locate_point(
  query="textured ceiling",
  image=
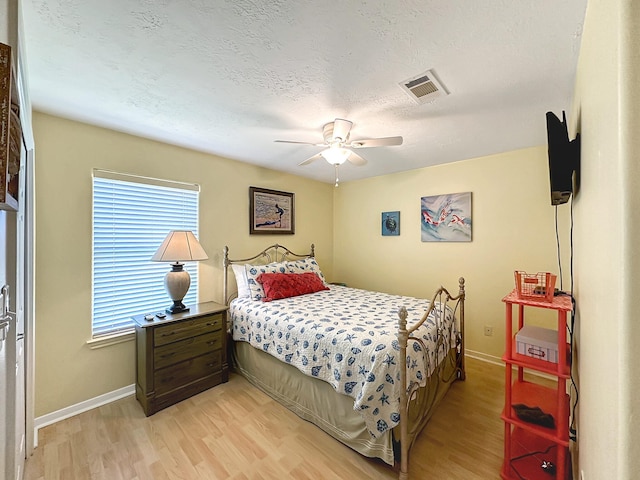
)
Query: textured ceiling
[{"x": 231, "y": 76}]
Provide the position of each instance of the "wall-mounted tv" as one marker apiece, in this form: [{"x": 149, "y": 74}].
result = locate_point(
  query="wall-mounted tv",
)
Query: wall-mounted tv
[{"x": 564, "y": 158}]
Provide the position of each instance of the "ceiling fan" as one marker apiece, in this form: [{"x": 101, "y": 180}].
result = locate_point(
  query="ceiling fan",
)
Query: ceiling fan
[{"x": 338, "y": 145}]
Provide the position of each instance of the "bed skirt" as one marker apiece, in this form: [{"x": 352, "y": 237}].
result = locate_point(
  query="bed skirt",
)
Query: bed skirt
[{"x": 317, "y": 402}]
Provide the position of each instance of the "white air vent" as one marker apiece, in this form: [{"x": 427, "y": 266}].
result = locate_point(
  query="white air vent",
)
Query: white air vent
[{"x": 424, "y": 87}]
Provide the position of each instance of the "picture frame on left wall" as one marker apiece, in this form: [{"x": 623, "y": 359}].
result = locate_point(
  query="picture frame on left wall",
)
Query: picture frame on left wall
[{"x": 271, "y": 212}]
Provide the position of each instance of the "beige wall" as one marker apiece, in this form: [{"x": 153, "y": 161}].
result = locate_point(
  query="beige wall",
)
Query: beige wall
[
  {"x": 513, "y": 229},
  {"x": 67, "y": 371},
  {"x": 607, "y": 267}
]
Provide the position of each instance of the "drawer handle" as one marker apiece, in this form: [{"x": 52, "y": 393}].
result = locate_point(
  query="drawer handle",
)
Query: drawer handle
[
  {"x": 168, "y": 334},
  {"x": 212, "y": 342},
  {"x": 167, "y": 379},
  {"x": 167, "y": 355},
  {"x": 211, "y": 365}
]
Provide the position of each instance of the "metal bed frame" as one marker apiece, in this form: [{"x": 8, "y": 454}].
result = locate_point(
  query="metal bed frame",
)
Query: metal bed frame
[{"x": 415, "y": 402}]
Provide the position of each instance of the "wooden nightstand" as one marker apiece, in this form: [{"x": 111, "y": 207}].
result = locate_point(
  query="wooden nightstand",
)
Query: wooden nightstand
[{"x": 180, "y": 355}]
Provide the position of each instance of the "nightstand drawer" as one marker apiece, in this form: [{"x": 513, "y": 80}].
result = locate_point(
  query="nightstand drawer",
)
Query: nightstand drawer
[
  {"x": 174, "y": 376},
  {"x": 184, "y": 349},
  {"x": 186, "y": 328}
]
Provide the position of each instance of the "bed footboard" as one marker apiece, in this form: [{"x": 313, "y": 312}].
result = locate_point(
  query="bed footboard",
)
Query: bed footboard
[{"x": 416, "y": 402}]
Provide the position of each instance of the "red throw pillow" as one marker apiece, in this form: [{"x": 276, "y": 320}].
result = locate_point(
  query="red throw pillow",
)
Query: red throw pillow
[{"x": 285, "y": 285}]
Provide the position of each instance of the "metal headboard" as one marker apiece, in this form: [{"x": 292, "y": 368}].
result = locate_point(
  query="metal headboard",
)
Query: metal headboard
[{"x": 273, "y": 253}]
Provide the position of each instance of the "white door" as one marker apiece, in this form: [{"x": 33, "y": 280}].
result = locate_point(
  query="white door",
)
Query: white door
[
  {"x": 7, "y": 358},
  {"x": 12, "y": 372},
  {"x": 12, "y": 401},
  {"x": 19, "y": 426},
  {"x": 16, "y": 270}
]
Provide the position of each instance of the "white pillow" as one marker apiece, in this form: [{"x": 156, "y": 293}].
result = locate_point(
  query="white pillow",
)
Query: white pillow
[
  {"x": 306, "y": 265},
  {"x": 254, "y": 271},
  {"x": 242, "y": 282}
]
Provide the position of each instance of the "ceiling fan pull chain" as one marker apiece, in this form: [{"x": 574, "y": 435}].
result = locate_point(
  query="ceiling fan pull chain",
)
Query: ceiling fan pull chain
[{"x": 337, "y": 179}]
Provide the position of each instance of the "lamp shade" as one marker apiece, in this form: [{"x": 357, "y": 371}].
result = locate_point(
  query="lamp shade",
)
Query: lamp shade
[{"x": 180, "y": 246}]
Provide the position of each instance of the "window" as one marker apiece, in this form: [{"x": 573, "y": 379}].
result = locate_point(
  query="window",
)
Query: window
[{"x": 131, "y": 217}]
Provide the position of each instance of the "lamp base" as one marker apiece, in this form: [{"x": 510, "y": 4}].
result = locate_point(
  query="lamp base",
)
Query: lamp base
[
  {"x": 177, "y": 307},
  {"x": 177, "y": 283}
]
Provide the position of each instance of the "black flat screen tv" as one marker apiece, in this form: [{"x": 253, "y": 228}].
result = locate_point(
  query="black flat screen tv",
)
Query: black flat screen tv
[{"x": 564, "y": 158}]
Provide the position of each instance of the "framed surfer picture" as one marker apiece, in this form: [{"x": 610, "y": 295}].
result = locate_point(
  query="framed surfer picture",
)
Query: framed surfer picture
[
  {"x": 390, "y": 223},
  {"x": 271, "y": 211}
]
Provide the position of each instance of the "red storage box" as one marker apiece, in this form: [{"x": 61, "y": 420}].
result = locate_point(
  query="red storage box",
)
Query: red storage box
[{"x": 536, "y": 286}]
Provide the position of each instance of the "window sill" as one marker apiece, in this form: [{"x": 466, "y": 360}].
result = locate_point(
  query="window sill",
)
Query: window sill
[{"x": 108, "y": 340}]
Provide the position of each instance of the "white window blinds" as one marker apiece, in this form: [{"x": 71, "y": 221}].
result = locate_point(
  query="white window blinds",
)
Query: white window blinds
[{"x": 131, "y": 217}]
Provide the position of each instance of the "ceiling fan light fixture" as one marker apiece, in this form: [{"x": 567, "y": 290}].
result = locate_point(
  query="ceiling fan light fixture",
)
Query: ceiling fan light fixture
[
  {"x": 336, "y": 155},
  {"x": 338, "y": 145}
]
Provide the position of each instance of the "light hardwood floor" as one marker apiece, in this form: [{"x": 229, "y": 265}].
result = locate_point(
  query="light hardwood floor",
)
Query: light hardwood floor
[{"x": 234, "y": 431}]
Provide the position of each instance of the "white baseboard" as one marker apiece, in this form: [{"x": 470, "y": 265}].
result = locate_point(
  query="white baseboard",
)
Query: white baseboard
[
  {"x": 78, "y": 408},
  {"x": 484, "y": 357}
]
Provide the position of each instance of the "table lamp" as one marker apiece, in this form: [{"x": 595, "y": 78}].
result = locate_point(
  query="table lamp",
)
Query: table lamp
[{"x": 178, "y": 246}]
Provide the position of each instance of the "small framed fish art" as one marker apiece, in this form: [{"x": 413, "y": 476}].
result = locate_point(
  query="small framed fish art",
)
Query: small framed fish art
[
  {"x": 390, "y": 223},
  {"x": 446, "y": 218}
]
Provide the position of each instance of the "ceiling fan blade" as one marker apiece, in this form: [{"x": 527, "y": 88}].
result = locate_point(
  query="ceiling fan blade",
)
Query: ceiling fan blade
[
  {"x": 317, "y": 156},
  {"x": 376, "y": 142},
  {"x": 341, "y": 128},
  {"x": 301, "y": 143},
  {"x": 356, "y": 159}
]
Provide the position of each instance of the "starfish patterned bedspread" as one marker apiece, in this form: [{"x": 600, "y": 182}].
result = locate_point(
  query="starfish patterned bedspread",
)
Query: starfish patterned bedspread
[{"x": 348, "y": 338}]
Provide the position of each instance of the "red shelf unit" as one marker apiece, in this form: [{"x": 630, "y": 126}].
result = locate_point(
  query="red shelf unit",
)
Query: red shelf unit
[
  {"x": 526, "y": 466},
  {"x": 527, "y": 445}
]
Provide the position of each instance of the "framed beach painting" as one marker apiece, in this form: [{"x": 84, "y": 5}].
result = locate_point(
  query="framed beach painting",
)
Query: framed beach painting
[
  {"x": 446, "y": 218},
  {"x": 271, "y": 211}
]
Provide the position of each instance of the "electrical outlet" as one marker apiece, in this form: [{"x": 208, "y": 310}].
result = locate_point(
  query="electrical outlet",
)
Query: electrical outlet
[
  {"x": 581, "y": 474},
  {"x": 488, "y": 330}
]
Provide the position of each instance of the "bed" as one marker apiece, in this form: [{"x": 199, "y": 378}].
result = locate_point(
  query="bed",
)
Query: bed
[{"x": 331, "y": 353}]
